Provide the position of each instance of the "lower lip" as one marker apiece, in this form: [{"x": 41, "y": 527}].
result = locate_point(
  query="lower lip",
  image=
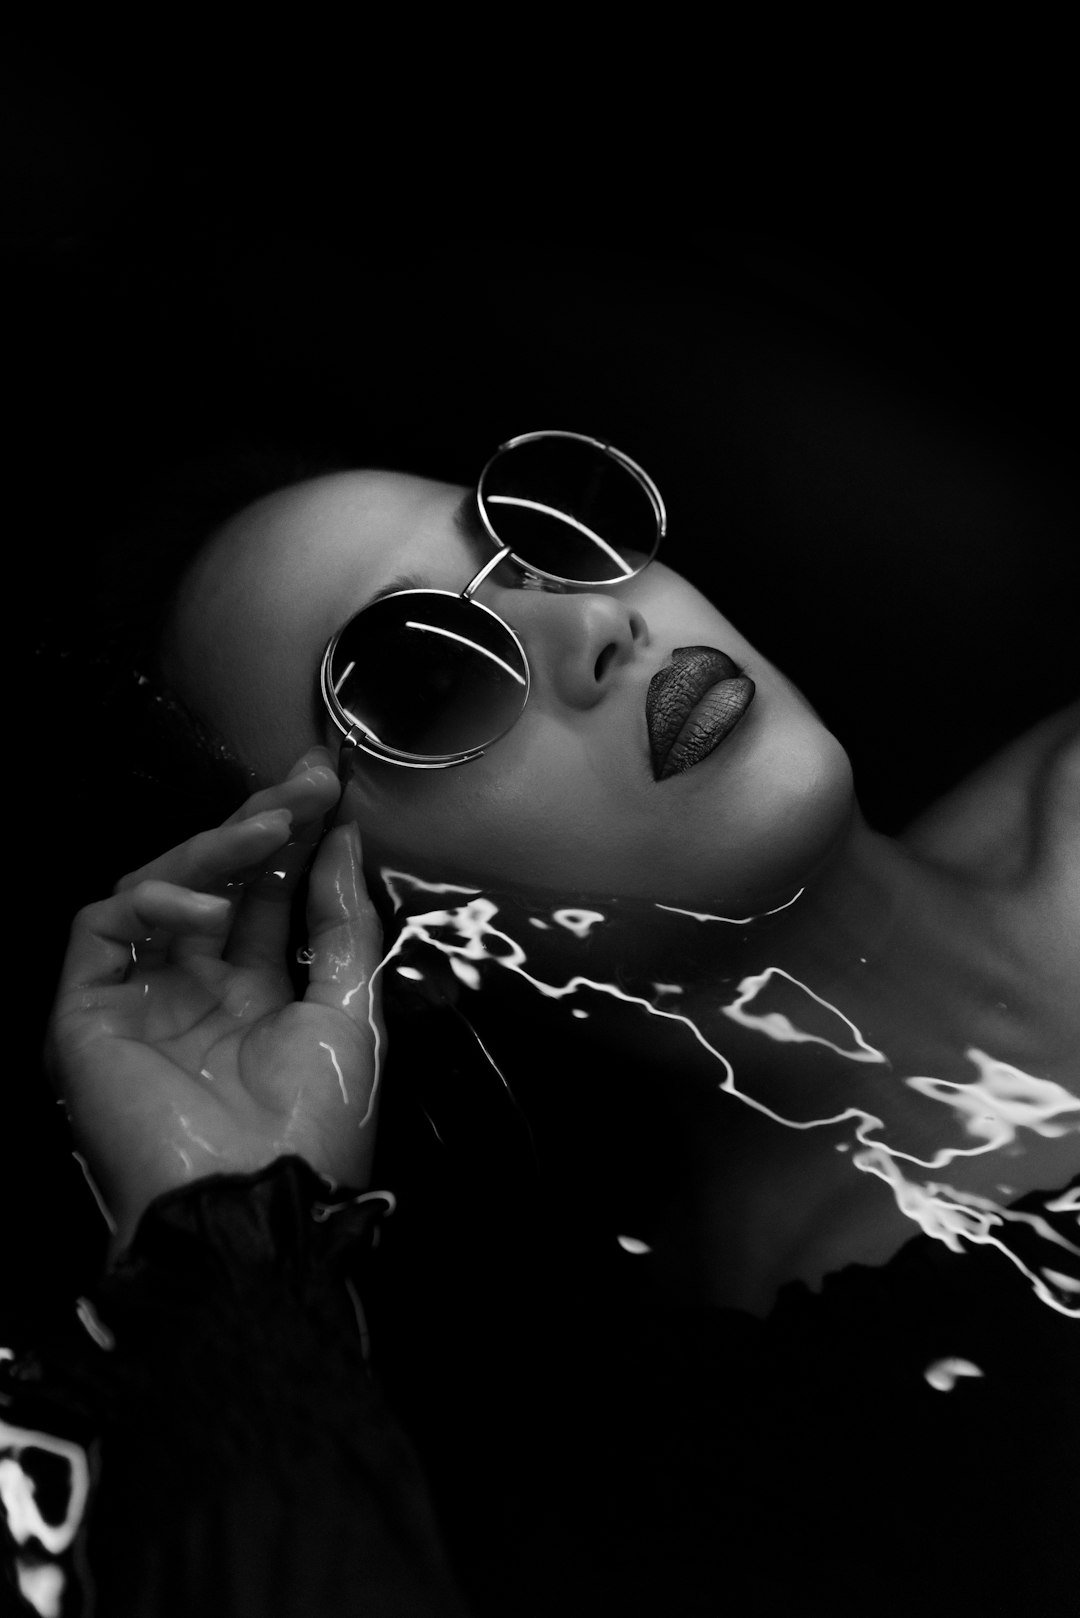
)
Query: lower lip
[{"x": 709, "y": 723}]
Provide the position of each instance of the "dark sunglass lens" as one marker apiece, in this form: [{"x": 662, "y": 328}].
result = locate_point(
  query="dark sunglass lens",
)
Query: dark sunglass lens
[
  {"x": 568, "y": 508},
  {"x": 429, "y": 674}
]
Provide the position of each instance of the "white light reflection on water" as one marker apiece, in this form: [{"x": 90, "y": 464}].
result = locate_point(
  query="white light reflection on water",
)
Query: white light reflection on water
[
  {"x": 94, "y": 1326},
  {"x": 944, "y": 1374},
  {"x": 1002, "y": 1101},
  {"x": 95, "y": 1193},
  {"x": 41, "y": 1583},
  {"x": 578, "y": 922},
  {"x": 779, "y": 1026},
  {"x": 732, "y": 921},
  {"x": 330, "y": 1051},
  {"x": 1067, "y": 1283}
]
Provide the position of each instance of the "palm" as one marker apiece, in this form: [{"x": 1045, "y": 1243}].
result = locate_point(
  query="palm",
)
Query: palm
[
  {"x": 196, "y": 1058},
  {"x": 213, "y": 1066}
]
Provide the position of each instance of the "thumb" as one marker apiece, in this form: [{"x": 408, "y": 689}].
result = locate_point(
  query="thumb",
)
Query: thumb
[{"x": 344, "y": 932}]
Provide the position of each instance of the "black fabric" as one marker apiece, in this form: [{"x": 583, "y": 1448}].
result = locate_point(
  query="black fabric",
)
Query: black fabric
[
  {"x": 247, "y": 1463},
  {"x": 585, "y": 1451},
  {"x": 651, "y": 1460}
]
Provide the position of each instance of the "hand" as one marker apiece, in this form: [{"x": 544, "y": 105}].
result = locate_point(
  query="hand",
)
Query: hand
[{"x": 175, "y": 1039}]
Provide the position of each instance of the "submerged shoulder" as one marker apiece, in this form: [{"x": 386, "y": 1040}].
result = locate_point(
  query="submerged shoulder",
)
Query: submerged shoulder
[{"x": 1022, "y": 804}]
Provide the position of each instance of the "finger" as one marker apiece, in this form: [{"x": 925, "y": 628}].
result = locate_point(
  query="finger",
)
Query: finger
[
  {"x": 217, "y": 856},
  {"x": 260, "y": 933},
  {"x": 204, "y": 860},
  {"x": 263, "y": 920},
  {"x": 345, "y": 942},
  {"x": 263, "y": 915},
  {"x": 309, "y": 792},
  {"x": 344, "y": 932},
  {"x": 106, "y": 937}
]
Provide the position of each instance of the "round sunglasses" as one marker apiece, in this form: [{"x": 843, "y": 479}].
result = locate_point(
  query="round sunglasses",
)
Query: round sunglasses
[{"x": 428, "y": 679}]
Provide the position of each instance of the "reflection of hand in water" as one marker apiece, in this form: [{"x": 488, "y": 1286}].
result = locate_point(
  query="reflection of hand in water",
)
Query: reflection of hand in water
[{"x": 176, "y": 1040}]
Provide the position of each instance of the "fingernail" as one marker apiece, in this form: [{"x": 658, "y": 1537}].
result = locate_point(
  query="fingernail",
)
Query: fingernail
[
  {"x": 278, "y": 820},
  {"x": 310, "y": 760},
  {"x": 209, "y": 904}
]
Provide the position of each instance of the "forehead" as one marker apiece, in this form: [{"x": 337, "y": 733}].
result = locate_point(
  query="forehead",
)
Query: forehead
[
  {"x": 341, "y": 530},
  {"x": 274, "y": 584}
]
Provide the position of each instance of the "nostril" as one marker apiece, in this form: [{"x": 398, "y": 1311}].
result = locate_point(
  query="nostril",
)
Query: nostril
[{"x": 603, "y": 662}]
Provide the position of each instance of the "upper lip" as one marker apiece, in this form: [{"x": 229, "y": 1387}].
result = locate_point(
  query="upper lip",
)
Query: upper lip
[{"x": 675, "y": 690}]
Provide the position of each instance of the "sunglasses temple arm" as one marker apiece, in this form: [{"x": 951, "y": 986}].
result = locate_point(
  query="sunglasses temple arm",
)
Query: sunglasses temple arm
[
  {"x": 488, "y": 567},
  {"x": 348, "y": 757}
]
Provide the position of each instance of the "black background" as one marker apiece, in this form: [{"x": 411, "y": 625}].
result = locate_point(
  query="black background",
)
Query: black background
[{"x": 837, "y": 326}]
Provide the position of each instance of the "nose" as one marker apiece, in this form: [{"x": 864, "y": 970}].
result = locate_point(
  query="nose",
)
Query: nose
[{"x": 577, "y": 642}]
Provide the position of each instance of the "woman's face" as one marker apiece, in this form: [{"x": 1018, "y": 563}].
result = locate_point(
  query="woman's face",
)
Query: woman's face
[{"x": 567, "y": 799}]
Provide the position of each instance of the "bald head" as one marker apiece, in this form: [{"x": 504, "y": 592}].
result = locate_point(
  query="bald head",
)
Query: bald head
[{"x": 256, "y": 610}]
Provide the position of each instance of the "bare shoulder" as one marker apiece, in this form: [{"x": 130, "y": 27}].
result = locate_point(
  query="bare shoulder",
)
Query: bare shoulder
[{"x": 988, "y": 824}]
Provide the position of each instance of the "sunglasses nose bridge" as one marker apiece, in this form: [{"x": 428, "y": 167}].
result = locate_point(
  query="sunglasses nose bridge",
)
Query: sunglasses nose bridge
[{"x": 485, "y": 572}]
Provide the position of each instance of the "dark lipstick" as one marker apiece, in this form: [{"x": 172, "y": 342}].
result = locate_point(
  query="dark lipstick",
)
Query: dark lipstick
[{"x": 692, "y": 705}]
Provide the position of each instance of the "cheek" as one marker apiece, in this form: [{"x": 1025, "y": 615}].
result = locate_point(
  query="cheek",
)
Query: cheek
[
  {"x": 536, "y": 808},
  {"x": 788, "y": 816},
  {"x": 678, "y": 614},
  {"x": 551, "y": 807}
]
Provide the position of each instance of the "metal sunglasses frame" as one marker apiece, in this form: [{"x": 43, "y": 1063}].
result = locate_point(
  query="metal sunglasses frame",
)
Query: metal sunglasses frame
[{"x": 357, "y": 738}]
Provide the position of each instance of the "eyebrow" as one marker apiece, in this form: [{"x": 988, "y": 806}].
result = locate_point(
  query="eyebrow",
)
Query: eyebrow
[
  {"x": 403, "y": 581},
  {"x": 466, "y": 520}
]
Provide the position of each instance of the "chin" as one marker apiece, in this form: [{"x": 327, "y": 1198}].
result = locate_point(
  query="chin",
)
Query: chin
[{"x": 797, "y": 811}]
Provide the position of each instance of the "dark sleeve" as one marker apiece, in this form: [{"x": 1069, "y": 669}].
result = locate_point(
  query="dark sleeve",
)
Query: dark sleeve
[{"x": 216, "y": 1401}]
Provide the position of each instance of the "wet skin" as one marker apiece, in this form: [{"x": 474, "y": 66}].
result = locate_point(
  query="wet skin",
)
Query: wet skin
[{"x": 566, "y": 800}]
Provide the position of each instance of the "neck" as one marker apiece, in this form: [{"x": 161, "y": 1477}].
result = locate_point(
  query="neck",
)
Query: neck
[{"x": 880, "y": 951}]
